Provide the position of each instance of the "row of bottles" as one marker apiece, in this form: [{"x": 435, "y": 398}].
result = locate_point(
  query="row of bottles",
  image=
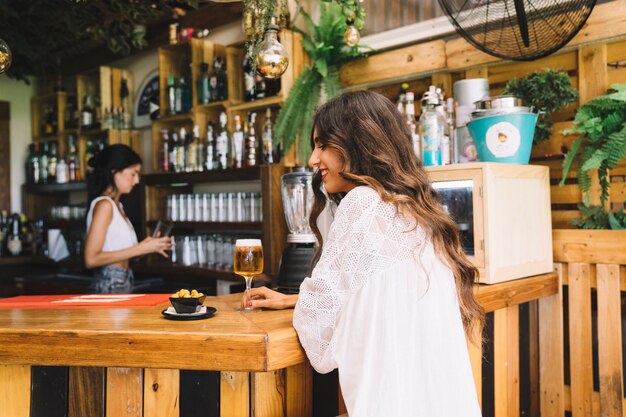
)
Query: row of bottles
[
  {"x": 185, "y": 151},
  {"x": 431, "y": 136},
  {"x": 19, "y": 236},
  {"x": 256, "y": 86},
  {"x": 45, "y": 166},
  {"x": 213, "y": 85}
]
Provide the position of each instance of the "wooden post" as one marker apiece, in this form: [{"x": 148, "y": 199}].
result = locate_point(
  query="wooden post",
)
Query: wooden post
[
  {"x": 124, "y": 393},
  {"x": 506, "y": 361},
  {"x": 15, "y": 390},
  {"x": 234, "y": 391},
  {"x": 86, "y": 391},
  {"x": 267, "y": 393}
]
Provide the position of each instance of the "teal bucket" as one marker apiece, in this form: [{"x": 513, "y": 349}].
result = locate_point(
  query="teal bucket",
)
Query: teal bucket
[{"x": 504, "y": 137}]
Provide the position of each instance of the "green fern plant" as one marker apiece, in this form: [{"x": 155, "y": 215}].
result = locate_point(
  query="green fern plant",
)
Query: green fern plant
[
  {"x": 601, "y": 126},
  {"x": 323, "y": 42}
]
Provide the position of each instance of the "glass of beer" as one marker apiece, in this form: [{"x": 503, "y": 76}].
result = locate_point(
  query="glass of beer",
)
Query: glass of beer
[{"x": 248, "y": 262}]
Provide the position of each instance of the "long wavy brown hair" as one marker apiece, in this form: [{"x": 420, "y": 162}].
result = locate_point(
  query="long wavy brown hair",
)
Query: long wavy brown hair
[{"x": 374, "y": 142}]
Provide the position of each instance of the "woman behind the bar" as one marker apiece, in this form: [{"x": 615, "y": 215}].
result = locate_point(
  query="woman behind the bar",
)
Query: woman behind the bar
[
  {"x": 111, "y": 239},
  {"x": 390, "y": 300}
]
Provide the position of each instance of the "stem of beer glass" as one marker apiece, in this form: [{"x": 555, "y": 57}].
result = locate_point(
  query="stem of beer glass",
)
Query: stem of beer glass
[{"x": 247, "y": 295}]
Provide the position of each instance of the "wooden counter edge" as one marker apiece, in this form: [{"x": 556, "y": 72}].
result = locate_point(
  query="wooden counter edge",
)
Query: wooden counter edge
[{"x": 496, "y": 296}]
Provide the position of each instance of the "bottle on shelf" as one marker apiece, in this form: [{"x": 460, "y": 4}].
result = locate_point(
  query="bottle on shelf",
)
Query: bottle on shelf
[
  {"x": 90, "y": 152},
  {"x": 87, "y": 112},
  {"x": 4, "y": 232},
  {"x": 448, "y": 148},
  {"x": 181, "y": 152},
  {"x": 14, "y": 240},
  {"x": 43, "y": 164},
  {"x": 251, "y": 142},
  {"x": 210, "y": 148},
  {"x": 32, "y": 164},
  {"x": 178, "y": 98},
  {"x": 49, "y": 125},
  {"x": 52, "y": 163},
  {"x": 249, "y": 80},
  {"x": 432, "y": 127},
  {"x": 127, "y": 119},
  {"x": 173, "y": 152},
  {"x": 72, "y": 160},
  {"x": 171, "y": 94},
  {"x": 412, "y": 123},
  {"x": 260, "y": 87},
  {"x": 219, "y": 79},
  {"x": 221, "y": 143},
  {"x": 402, "y": 98},
  {"x": 192, "y": 150},
  {"x": 62, "y": 174},
  {"x": 185, "y": 95},
  {"x": 204, "y": 92},
  {"x": 268, "y": 138},
  {"x": 237, "y": 143},
  {"x": 164, "y": 155}
]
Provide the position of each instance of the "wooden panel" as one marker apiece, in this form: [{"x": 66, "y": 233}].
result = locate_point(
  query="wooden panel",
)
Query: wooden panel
[
  {"x": 591, "y": 246},
  {"x": 616, "y": 76},
  {"x": 274, "y": 224},
  {"x": 199, "y": 393},
  {"x": 618, "y": 192},
  {"x": 161, "y": 392},
  {"x": 506, "y": 361},
  {"x": 267, "y": 393},
  {"x": 395, "y": 64},
  {"x": 480, "y": 72},
  {"x": 5, "y": 156},
  {"x": 591, "y": 72},
  {"x": 561, "y": 219},
  {"x": 86, "y": 392},
  {"x": 503, "y": 73},
  {"x": 234, "y": 400},
  {"x": 580, "y": 339},
  {"x": 299, "y": 390},
  {"x": 49, "y": 391},
  {"x": 15, "y": 390},
  {"x": 610, "y": 340},
  {"x": 533, "y": 359},
  {"x": 461, "y": 54},
  {"x": 494, "y": 297},
  {"x": 124, "y": 392},
  {"x": 556, "y": 143},
  {"x": 565, "y": 194},
  {"x": 616, "y": 51},
  {"x": 551, "y": 351},
  {"x": 475, "y": 350}
]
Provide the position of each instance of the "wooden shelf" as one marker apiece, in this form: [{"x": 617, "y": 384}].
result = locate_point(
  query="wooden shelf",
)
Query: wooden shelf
[
  {"x": 230, "y": 175},
  {"x": 176, "y": 118},
  {"x": 212, "y": 105},
  {"x": 259, "y": 104},
  {"x": 216, "y": 226},
  {"x": 94, "y": 132},
  {"x": 53, "y": 188}
]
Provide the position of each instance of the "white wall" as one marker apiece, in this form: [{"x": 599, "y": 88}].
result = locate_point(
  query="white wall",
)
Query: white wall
[{"x": 18, "y": 94}]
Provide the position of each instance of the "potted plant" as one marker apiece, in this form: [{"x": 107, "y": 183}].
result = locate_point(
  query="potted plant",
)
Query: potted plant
[
  {"x": 601, "y": 126},
  {"x": 548, "y": 91}
]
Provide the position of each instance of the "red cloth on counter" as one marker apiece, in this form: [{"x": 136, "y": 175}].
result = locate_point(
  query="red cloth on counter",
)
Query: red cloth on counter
[{"x": 81, "y": 300}]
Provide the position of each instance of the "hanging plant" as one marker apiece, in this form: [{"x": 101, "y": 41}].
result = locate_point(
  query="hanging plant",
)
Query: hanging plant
[
  {"x": 325, "y": 46},
  {"x": 352, "y": 11}
]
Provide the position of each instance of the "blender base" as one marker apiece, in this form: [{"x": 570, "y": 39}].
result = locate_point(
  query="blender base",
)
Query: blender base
[{"x": 295, "y": 265}]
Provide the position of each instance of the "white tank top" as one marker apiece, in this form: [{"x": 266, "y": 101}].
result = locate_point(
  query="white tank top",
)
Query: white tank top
[{"x": 120, "y": 233}]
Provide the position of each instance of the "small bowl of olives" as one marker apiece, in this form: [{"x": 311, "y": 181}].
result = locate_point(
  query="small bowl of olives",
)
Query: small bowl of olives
[{"x": 186, "y": 302}]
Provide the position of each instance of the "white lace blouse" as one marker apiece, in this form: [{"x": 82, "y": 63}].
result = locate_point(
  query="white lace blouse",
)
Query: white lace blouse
[{"x": 382, "y": 308}]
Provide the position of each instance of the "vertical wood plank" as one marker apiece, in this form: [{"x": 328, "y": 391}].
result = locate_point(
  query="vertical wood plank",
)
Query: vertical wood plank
[
  {"x": 161, "y": 392},
  {"x": 581, "y": 360},
  {"x": 480, "y": 72},
  {"x": 199, "y": 393},
  {"x": 124, "y": 393},
  {"x": 610, "y": 340},
  {"x": 512, "y": 360},
  {"x": 5, "y": 155},
  {"x": 15, "y": 390},
  {"x": 551, "y": 366},
  {"x": 299, "y": 390},
  {"x": 506, "y": 361},
  {"x": 533, "y": 346},
  {"x": 86, "y": 391},
  {"x": 592, "y": 72},
  {"x": 48, "y": 393},
  {"x": 268, "y": 393},
  {"x": 234, "y": 394},
  {"x": 476, "y": 358},
  {"x": 444, "y": 81}
]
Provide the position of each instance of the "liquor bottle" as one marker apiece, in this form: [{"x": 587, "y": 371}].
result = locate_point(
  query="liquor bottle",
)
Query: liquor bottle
[
  {"x": 221, "y": 143},
  {"x": 14, "y": 240},
  {"x": 219, "y": 66},
  {"x": 72, "y": 160},
  {"x": 32, "y": 164},
  {"x": 49, "y": 121},
  {"x": 4, "y": 231},
  {"x": 87, "y": 112},
  {"x": 237, "y": 143},
  {"x": 185, "y": 95},
  {"x": 432, "y": 126},
  {"x": 260, "y": 86},
  {"x": 173, "y": 149},
  {"x": 412, "y": 124},
  {"x": 171, "y": 94},
  {"x": 127, "y": 119},
  {"x": 181, "y": 153},
  {"x": 210, "y": 148},
  {"x": 402, "y": 98},
  {"x": 63, "y": 173},
  {"x": 251, "y": 143},
  {"x": 43, "y": 164},
  {"x": 178, "y": 98},
  {"x": 203, "y": 84},
  {"x": 52, "y": 163},
  {"x": 97, "y": 111},
  {"x": 268, "y": 138},
  {"x": 192, "y": 150},
  {"x": 90, "y": 152},
  {"x": 248, "y": 78},
  {"x": 164, "y": 155}
]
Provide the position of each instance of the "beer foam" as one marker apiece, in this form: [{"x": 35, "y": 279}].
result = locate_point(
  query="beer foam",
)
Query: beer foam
[{"x": 248, "y": 242}]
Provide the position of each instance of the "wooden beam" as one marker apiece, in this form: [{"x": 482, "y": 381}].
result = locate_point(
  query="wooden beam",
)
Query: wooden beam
[{"x": 589, "y": 246}]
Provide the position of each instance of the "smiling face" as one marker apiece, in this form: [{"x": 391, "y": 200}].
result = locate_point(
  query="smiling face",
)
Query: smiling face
[
  {"x": 126, "y": 179},
  {"x": 328, "y": 161}
]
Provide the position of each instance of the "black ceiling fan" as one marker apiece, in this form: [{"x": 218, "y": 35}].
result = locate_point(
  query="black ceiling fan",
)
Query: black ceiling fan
[{"x": 521, "y": 30}]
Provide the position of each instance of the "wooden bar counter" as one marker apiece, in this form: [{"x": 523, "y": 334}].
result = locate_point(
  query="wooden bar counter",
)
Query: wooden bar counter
[{"x": 263, "y": 369}]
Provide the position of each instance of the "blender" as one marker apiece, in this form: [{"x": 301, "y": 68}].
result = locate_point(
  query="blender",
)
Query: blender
[{"x": 295, "y": 263}]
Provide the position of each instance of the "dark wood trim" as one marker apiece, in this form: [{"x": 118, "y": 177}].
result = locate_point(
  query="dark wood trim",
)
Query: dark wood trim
[{"x": 5, "y": 156}]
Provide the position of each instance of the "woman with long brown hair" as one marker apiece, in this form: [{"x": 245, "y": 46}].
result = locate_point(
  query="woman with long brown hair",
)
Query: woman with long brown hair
[{"x": 390, "y": 300}]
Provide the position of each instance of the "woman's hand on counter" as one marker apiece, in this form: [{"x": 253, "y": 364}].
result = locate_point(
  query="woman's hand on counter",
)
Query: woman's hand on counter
[
  {"x": 156, "y": 245},
  {"x": 263, "y": 297}
]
